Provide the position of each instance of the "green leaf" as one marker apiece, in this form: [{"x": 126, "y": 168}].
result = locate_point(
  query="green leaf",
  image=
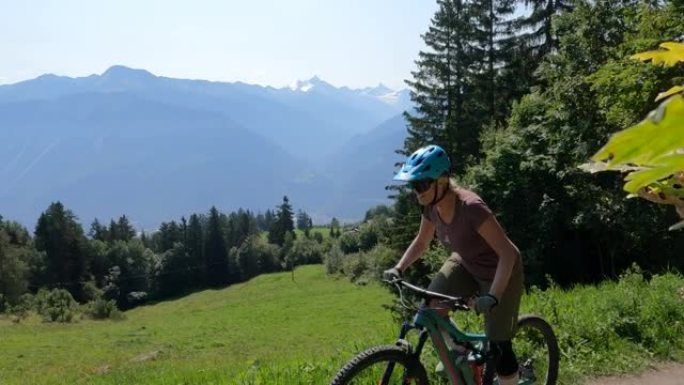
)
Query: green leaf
[
  {"x": 667, "y": 167},
  {"x": 660, "y": 134},
  {"x": 673, "y": 53},
  {"x": 594, "y": 167},
  {"x": 672, "y": 91}
]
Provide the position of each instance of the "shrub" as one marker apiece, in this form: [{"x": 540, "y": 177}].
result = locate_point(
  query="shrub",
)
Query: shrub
[
  {"x": 349, "y": 242},
  {"x": 318, "y": 237},
  {"x": 23, "y": 307},
  {"x": 100, "y": 308},
  {"x": 91, "y": 291},
  {"x": 333, "y": 260},
  {"x": 368, "y": 236},
  {"x": 369, "y": 264},
  {"x": 354, "y": 266},
  {"x": 58, "y": 306},
  {"x": 305, "y": 251}
]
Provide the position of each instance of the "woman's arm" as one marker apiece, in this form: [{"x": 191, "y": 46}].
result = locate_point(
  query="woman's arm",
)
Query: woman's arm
[
  {"x": 418, "y": 245},
  {"x": 508, "y": 253}
]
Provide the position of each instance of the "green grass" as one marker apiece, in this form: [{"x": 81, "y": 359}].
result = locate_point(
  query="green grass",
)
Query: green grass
[
  {"x": 250, "y": 329},
  {"x": 614, "y": 327},
  {"x": 273, "y": 330}
]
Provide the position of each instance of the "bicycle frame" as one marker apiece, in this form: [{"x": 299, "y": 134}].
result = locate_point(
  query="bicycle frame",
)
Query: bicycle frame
[{"x": 430, "y": 323}]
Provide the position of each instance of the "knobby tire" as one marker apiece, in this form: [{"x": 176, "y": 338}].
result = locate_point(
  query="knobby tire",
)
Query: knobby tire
[{"x": 379, "y": 355}]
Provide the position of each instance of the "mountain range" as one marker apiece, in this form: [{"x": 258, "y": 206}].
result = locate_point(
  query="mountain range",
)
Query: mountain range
[{"x": 157, "y": 148}]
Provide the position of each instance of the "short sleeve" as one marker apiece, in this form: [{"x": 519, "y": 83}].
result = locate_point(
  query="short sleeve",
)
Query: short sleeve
[{"x": 478, "y": 212}]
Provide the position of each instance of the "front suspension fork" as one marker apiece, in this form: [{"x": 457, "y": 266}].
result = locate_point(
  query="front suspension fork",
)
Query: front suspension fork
[{"x": 401, "y": 341}]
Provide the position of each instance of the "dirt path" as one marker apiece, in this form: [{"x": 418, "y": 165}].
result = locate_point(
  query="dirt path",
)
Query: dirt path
[{"x": 670, "y": 374}]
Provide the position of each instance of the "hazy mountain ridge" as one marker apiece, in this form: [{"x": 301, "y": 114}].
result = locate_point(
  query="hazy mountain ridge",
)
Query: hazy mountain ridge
[
  {"x": 154, "y": 148},
  {"x": 318, "y": 120}
]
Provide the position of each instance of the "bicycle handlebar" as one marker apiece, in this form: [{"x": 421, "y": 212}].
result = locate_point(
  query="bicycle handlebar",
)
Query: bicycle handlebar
[{"x": 455, "y": 303}]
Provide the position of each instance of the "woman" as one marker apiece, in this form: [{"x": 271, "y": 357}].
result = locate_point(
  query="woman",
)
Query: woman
[{"x": 484, "y": 264}]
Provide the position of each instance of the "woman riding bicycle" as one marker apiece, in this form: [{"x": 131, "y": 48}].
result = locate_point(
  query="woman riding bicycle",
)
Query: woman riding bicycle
[{"x": 484, "y": 263}]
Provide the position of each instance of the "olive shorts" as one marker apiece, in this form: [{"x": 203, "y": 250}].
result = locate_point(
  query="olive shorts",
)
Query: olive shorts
[{"x": 453, "y": 279}]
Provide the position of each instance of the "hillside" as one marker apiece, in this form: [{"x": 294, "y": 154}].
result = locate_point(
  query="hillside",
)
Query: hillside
[
  {"x": 268, "y": 321},
  {"x": 273, "y": 330}
]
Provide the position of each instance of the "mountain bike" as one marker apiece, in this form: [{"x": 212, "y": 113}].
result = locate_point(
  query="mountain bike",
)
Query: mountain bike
[{"x": 473, "y": 363}]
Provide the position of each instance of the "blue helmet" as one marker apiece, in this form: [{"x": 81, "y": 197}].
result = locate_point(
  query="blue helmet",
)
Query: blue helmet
[{"x": 429, "y": 162}]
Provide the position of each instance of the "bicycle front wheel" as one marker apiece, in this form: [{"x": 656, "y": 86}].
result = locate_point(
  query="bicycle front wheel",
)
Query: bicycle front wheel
[
  {"x": 382, "y": 365},
  {"x": 536, "y": 347}
]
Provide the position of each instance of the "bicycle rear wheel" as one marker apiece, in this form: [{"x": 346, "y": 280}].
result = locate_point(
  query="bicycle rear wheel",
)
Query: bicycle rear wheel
[
  {"x": 536, "y": 347},
  {"x": 382, "y": 365}
]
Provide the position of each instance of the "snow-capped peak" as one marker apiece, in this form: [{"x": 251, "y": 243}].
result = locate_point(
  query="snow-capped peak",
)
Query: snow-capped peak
[
  {"x": 301, "y": 86},
  {"x": 313, "y": 83}
]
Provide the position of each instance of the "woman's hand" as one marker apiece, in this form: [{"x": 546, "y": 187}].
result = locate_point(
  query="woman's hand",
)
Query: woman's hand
[
  {"x": 391, "y": 274},
  {"x": 484, "y": 304}
]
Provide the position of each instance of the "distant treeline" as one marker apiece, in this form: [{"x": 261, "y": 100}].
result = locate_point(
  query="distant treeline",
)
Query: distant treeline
[{"x": 114, "y": 262}]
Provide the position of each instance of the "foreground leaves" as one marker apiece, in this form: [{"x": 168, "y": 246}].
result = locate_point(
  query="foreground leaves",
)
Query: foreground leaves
[
  {"x": 671, "y": 55},
  {"x": 652, "y": 151}
]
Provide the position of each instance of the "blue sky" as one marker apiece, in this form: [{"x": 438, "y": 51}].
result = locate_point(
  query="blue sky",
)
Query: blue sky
[{"x": 355, "y": 43}]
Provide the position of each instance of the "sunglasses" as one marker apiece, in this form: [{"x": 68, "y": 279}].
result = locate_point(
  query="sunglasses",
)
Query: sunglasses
[{"x": 421, "y": 185}]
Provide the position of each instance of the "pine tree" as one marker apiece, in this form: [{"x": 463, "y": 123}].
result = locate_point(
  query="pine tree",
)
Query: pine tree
[
  {"x": 283, "y": 223},
  {"x": 195, "y": 248},
  {"x": 537, "y": 26},
  {"x": 241, "y": 224},
  {"x": 216, "y": 250},
  {"x": 169, "y": 234},
  {"x": 533, "y": 38},
  {"x": 491, "y": 24},
  {"x": 14, "y": 270},
  {"x": 98, "y": 231},
  {"x": 177, "y": 272},
  {"x": 440, "y": 87},
  {"x": 125, "y": 230},
  {"x": 184, "y": 230},
  {"x": 304, "y": 222},
  {"x": 334, "y": 225},
  {"x": 113, "y": 231},
  {"x": 61, "y": 237},
  {"x": 247, "y": 225}
]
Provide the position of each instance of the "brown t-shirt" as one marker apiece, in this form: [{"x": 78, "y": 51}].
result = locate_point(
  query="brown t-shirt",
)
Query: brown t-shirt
[{"x": 461, "y": 236}]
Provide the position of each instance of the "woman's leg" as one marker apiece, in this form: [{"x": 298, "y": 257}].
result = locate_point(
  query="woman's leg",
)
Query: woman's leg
[
  {"x": 501, "y": 322},
  {"x": 454, "y": 280}
]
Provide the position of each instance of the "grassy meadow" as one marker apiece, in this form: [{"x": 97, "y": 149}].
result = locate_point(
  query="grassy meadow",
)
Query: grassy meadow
[
  {"x": 268, "y": 324},
  {"x": 276, "y": 330}
]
